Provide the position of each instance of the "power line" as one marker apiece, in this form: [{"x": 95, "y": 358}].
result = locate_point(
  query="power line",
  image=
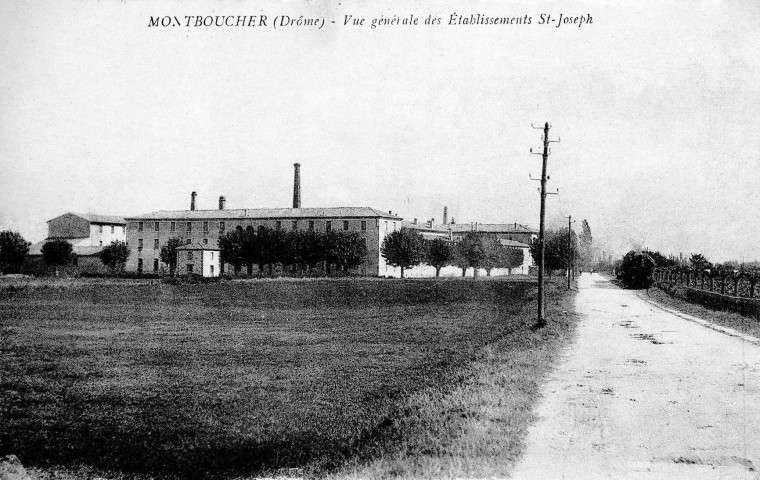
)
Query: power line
[{"x": 541, "y": 321}]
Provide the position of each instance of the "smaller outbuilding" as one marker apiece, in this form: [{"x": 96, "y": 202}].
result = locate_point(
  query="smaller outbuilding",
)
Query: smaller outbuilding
[{"x": 198, "y": 259}]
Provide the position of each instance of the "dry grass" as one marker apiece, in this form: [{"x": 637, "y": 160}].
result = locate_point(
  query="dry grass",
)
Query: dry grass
[
  {"x": 343, "y": 378},
  {"x": 725, "y": 318}
]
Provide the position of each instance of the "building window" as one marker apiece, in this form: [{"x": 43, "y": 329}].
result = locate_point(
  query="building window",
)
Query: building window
[
  {"x": 139, "y": 265},
  {"x": 328, "y": 226},
  {"x": 189, "y": 268},
  {"x": 277, "y": 225},
  {"x": 311, "y": 224},
  {"x": 139, "y": 244},
  {"x": 100, "y": 227},
  {"x": 221, "y": 226},
  {"x": 112, "y": 228},
  {"x": 364, "y": 241},
  {"x": 155, "y": 244},
  {"x": 364, "y": 225},
  {"x": 212, "y": 270},
  {"x": 189, "y": 226},
  {"x": 239, "y": 228},
  {"x": 139, "y": 226},
  {"x": 189, "y": 241},
  {"x": 295, "y": 225},
  {"x": 212, "y": 256},
  {"x": 155, "y": 265},
  {"x": 205, "y": 241},
  {"x": 205, "y": 227},
  {"x": 189, "y": 254},
  {"x": 101, "y": 243},
  {"x": 156, "y": 226},
  {"x": 172, "y": 226}
]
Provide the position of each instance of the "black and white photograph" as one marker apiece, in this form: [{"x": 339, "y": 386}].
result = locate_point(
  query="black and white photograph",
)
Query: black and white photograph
[{"x": 342, "y": 239}]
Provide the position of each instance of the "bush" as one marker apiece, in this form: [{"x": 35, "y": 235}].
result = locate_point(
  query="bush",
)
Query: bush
[{"x": 636, "y": 270}]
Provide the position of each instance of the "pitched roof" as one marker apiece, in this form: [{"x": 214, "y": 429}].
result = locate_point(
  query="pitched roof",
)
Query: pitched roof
[
  {"x": 512, "y": 243},
  {"x": 96, "y": 218},
  {"x": 492, "y": 228},
  {"x": 243, "y": 213},
  {"x": 468, "y": 227}
]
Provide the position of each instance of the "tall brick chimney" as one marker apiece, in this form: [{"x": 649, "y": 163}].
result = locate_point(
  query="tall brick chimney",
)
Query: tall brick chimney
[
  {"x": 222, "y": 203},
  {"x": 297, "y": 186},
  {"x": 192, "y": 200},
  {"x": 445, "y": 215}
]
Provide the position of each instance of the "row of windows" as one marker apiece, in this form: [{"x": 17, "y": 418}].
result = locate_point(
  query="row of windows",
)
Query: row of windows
[
  {"x": 156, "y": 243},
  {"x": 156, "y": 264},
  {"x": 113, "y": 229},
  {"x": 188, "y": 226}
]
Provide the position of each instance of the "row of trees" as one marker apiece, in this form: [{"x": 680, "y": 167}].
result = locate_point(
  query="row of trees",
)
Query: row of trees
[
  {"x": 297, "y": 249},
  {"x": 406, "y": 248}
]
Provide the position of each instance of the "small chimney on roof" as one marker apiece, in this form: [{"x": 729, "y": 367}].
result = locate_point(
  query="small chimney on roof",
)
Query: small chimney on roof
[
  {"x": 452, "y": 221},
  {"x": 222, "y": 203},
  {"x": 445, "y": 215},
  {"x": 297, "y": 186},
  {"x": 415, "y": 221},
  {"x": 192, "y": 200}
]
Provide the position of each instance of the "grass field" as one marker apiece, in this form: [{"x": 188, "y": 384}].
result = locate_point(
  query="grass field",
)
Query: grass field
[
  {"x": 339, "y": 378},
  {"x": 678, "y": 300}
]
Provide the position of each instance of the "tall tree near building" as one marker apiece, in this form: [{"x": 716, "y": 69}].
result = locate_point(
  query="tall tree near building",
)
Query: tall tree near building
[
  {"x": 511, "y": 258},
  {"x": 114, "y": 256},
  {"x": 57, "y": 253},
  {"x": 168, "y": 254},
  {"x": 230, "y": 249},
  {"x": 469, "y": 252},
  {"x": 492, "y": 250},
  {"x": 13, "y": 251},
  {"x": 353, "y": 250},
  {"x": 438, "y": 254},
  {"x": 556, "y": 252},
  {"x": 403, "y": 248}
]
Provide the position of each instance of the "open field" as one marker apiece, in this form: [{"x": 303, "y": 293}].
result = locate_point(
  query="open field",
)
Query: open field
[{"x": 260, "y": 377}]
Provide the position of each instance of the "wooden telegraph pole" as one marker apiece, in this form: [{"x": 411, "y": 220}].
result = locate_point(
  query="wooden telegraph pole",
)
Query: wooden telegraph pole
[{"x": 541, "y": 321}]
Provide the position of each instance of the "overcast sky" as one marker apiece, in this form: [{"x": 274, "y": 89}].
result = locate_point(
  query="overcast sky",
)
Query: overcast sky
[{"x": 655, "y": 103}]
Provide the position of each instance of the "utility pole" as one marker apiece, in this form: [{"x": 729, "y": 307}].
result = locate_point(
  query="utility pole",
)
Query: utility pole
[
  {"x": 541, "y": 321},
  {"x": 569, "y": 249}
]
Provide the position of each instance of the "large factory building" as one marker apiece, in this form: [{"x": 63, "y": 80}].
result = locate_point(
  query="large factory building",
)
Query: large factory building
[{"x": 147, "y": 233}]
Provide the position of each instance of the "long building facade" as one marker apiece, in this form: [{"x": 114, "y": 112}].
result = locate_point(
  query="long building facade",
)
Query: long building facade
[{"x": 147, "y": 233}]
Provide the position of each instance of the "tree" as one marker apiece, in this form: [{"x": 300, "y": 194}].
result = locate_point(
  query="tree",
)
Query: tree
[
  {"x": 115, "y": 255},
  {"x": 13, "y": 251},
  {"x": 585, "y": 247},
  {"x": 354, "y": 250},
  {"x": 661, "y": 260},
  {"x": 438, "y": 254},
  {"x": 168, "y": 254},
  {"x": 556, "y": 252},
  {"x": 469, "y": 252},
  {"x": 402, "y": 248},
  {"x": 511, "y": 258},
  {"x": 230, "y": 249},
  {"x": 57, "y": 253},
  {"x": 636, "y": 270},
  {"x": 699, "y": 262},
  {"x": 492, "y": 249}
]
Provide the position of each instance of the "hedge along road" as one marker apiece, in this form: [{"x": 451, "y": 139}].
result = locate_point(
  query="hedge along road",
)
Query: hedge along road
[{"x": 643, "y": 393}]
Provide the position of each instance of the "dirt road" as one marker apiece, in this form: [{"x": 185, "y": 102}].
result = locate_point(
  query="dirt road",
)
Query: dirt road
[{"x": 646, "y": 394}]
